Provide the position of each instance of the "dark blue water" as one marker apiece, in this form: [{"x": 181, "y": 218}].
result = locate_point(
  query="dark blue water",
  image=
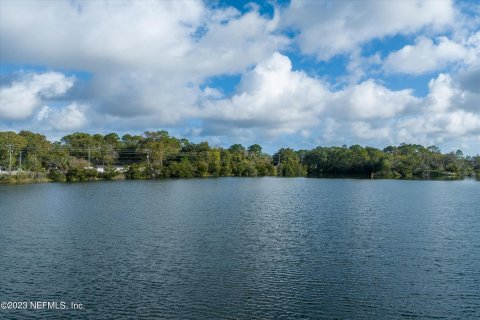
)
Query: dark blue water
[{"x": 253, "y": 248}]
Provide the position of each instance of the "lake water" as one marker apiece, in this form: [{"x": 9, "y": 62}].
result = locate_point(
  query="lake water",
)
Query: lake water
[{"x": 243, "y": 248}]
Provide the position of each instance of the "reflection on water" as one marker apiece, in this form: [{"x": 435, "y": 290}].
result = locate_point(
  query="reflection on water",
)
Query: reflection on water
[{"x": 243, "y": 248}]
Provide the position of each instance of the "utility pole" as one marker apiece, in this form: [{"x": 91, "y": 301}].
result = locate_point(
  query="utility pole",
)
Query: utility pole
[
  {"x": 10, "y": 153},
  {"x": 20, "y": 162},
  {"x": 89, "y": 165}
]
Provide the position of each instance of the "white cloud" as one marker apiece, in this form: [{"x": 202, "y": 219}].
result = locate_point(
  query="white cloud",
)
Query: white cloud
[
  {"x": 280, "y": 100},
  {"x": 147, "y": 94},
  {"x": 426, "y": 56},
  {"x": 212, "y": 93},
  {"x": 469, "y": 75},
  {"x": 239, "y": 43},
  {"x": 328, "y": 28},
  {"x": 148, "y": 57},
  {"x": 171, "y": 38},
  {"x": 445, "y": 115},
  {"x": 99, "y": 35},
  {"x": 272, "y": 99},
  {"x": 439, "y": 126},
  {"x": 369, "y": 100},
  {"x": 366, "y": 131},
  {"x": 442, "y": 94},
  {"x": 71, "y": 117},
  {"x": 271, "y": 96},
  {"x": 20, "y": 99}
]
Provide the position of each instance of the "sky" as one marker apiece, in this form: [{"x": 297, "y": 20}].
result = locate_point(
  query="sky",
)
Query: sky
[{"x": 296, "y": 74}]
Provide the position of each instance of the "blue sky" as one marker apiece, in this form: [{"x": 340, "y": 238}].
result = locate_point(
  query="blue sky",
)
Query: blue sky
[{"x": 278, "y": 73}]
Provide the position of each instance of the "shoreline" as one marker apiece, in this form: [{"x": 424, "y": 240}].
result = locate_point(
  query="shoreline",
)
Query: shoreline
[{"x": 42, "y": 177}]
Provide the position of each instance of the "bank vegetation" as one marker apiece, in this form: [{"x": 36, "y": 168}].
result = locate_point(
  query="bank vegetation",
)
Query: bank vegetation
[{"x": 30, "y": 157}]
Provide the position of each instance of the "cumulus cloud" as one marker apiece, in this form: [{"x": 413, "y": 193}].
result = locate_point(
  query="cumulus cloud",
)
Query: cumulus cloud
[
  {"x": 240, "y": 42},
  {"x": 148, "y": 58},
  {"x": 444, "y": 115},
  {"x": 367, "y": 131},
  {"x": 328, "y": 28},
  {"x": 271, "y": 96},
  {"x": 439, "y": 127},
  {"x": 281, "y": 100},
  {"x": 370, "y": 100},
  {"x": 22, "y": 97},
  {"x": 146, "y": 94},
  {"x": 442, "y": 94},
  {"x": 71, "y": 117},
  {"x": 426, "y": 56},
  {"x": 99, "y": 35},
  {"x": 168, "y": 37}
]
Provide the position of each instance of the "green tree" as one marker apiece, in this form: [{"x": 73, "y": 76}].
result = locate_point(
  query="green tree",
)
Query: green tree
[
  {"x": 160, "y": 145},
  {"x": 255, "y": 150},
  {"x": 11, "y": 149}
]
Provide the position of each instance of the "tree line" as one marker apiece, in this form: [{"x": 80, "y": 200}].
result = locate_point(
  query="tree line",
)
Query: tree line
[{"x": 156, "y": 154}]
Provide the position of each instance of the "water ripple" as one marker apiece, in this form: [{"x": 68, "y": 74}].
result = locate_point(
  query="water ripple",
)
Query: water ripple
[{"x": 243, "y": 249}]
